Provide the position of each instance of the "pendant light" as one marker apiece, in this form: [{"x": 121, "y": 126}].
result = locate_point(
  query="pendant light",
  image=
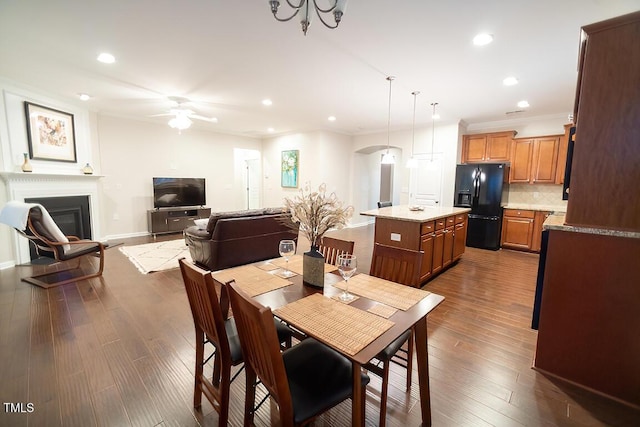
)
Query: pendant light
[
  {"x": 387, "y": 158},
  {"x": 433, "y": 127},
  {"x": 412, "y": 163}
]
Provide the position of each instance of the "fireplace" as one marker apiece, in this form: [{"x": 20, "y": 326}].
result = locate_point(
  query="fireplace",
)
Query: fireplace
[
  {"x": 70, "y": 213},
  {"x": 39, "y": 187}
]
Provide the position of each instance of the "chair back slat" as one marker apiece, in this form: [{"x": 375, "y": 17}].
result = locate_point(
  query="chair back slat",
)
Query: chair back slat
[
  {"x": 331, "y": 248},
  {"x": 260, "y": 346},
  {"x": 396, "y": 264},
  {"x": 205, "y": 306}
]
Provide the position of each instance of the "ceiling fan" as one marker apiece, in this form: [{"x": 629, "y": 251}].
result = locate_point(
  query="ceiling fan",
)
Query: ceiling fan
[{"x": 182, "y": 116}]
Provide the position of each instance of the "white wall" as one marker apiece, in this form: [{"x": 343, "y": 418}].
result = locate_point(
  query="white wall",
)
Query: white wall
[
  {"x": 324, "y": 157},
  {"x": 133, "y": 152}
]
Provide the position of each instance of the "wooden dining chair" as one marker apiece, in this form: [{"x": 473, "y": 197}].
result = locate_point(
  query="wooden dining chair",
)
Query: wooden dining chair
[
  {"x": 211, "y": 327},
  {"x": 305, "y": 381},
  {"x": 400, "y": 266},
  {"x": 331, "y": 248},
  {"x": 50, "y": 242}
]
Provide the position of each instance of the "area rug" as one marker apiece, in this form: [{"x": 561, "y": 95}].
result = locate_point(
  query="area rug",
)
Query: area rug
[{"x": 158, "y": 256}]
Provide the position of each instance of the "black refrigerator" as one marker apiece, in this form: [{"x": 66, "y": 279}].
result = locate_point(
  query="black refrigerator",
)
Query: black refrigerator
[{"x": 480, "y": 187}]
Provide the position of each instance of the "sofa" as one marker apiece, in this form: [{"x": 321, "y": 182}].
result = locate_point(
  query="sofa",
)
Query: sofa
[{"x": 229, "y": 239}]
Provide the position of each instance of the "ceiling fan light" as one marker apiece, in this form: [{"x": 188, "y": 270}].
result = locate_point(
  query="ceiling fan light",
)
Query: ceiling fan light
[{"x": 180, "y": 122}]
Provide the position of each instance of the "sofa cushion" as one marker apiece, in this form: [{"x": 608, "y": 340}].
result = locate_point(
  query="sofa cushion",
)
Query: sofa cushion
[{"x": 213, "y": 219}]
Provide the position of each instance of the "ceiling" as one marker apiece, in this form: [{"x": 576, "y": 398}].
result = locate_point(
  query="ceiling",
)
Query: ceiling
[{"x": 227, "y": 56}]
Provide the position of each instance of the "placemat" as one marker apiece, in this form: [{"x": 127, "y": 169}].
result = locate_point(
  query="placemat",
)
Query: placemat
[
  {"x": 383, "y": 310},
  {"x": 295, "y": 264},
  {"x": 252, "y": 279},
  {"x": 341, "y": 326},
  {"x": 390, "y": 293}
]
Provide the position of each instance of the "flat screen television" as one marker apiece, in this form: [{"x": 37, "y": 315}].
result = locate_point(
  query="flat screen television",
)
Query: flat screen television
[{"x": 178, "y": 192}]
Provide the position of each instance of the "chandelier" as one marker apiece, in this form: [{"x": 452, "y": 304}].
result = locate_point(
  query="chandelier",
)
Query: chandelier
[{"x": 336, "y": 7}]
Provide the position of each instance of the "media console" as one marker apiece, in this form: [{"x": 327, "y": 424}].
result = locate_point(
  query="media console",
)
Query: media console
[{"x": 174, "y": 220}]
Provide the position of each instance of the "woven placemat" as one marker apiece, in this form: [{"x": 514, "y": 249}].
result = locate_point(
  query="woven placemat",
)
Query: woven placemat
[
  {"x": 267, "y": 266},
  {"x": 252, "y": 279},
  {"x": 390, "y": 293},
  {"x": 383, "y": 310},
  {"x": 295, "y": 264},
  {"x": 342, "y": 326}
]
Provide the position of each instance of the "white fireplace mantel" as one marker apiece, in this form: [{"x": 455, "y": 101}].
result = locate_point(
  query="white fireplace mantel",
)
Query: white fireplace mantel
[{"x": 21, "y": 186}]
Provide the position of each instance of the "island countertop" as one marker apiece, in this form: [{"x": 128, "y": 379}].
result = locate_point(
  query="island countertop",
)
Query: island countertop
[{"x": 403, "y": 213}]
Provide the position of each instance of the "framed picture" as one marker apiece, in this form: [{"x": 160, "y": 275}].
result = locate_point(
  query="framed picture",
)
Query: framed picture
[
  {"x": 50, "y": 133},
  {"x": 289, "y": 169}
]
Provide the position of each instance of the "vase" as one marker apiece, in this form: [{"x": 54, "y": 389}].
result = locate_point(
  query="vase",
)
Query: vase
[
  {"x": 26, "y": 166},
  {"x": 313, "y": 268},
  {"x": 87, "y": 169}
]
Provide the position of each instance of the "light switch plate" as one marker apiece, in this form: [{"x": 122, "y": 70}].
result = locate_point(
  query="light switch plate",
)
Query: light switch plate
[{"x": 396, "y": 237}]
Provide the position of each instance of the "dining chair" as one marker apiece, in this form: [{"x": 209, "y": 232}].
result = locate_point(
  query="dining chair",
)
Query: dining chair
[
  {"x": 35, "y": 223},
  {"x": 331, "y": 248},
  {"x": 212, "y": 326},
  {"x": 305, "y": 381},
  {"x": 401, "y": 266},
  {"x": 384, "y": 204}
]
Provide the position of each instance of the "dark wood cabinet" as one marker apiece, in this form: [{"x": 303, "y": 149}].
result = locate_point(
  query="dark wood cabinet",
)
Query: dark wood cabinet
[
  {"x": 426, "y": 246},
  {"x": 438, "y": 251},
  {"x": 517, "y": 229},
  {"x": 459, "y": 240},
  {"x": 535, "y": 160},
  {"x": 162, "y": 221}
]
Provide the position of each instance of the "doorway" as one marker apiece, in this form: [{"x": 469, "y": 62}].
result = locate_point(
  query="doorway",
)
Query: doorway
[{"x": 252, "y": 183}]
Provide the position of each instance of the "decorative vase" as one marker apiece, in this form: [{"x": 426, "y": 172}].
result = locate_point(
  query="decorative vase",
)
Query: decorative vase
[
  {"x": 26, "y": 166},
  {"x": 87, "y": 169},
  {"x": 313, "y": 268}
]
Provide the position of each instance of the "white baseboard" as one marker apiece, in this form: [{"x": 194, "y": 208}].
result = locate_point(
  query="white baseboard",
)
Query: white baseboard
[
  {"x": 125, "y": 235},
  {"x": 7, "y": 264}
]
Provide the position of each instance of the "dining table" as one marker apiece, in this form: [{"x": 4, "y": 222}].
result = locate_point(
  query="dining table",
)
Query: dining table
[{"x": 359, "y": 330}]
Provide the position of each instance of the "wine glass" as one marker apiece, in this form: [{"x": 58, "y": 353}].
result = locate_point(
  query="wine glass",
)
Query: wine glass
[
  {"x": 287, "y": 248},
  {"x": 346, "y": 266}
]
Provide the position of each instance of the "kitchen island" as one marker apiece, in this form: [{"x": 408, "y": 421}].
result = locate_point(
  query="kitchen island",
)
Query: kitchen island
[{"x": 440, "y": 232}]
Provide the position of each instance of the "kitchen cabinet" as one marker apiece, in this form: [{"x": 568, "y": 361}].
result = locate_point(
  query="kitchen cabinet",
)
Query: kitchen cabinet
[
  {"x": 522, "y": 229},
  {"x": 438, "y": 246},
  {"x": 487, "y": 147},
  {"x": 447, "y": 249},
  {"x": 426, "y": 245},
  {"x": 535, "y": 160}
]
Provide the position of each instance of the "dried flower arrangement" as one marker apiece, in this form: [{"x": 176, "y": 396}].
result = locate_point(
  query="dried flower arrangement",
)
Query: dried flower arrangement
[{"x": 317, "y": 212}]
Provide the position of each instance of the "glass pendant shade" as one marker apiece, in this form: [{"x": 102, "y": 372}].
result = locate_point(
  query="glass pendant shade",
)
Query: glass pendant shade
[{"x": 387, "y": 159}]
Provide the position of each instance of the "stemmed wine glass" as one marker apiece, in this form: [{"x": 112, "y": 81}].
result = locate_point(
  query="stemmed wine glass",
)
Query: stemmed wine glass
[
  {"x": 347, "y": 266},
  {"x": 287, "y": 248}
]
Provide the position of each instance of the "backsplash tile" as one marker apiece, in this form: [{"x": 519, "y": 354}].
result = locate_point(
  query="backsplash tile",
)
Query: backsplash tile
[{"x": 536, "y": 194}]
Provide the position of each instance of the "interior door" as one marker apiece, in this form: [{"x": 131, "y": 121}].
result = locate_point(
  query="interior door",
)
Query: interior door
[
  {"x": 253, "y": 183},
  {"x": 425, "y": 182}
]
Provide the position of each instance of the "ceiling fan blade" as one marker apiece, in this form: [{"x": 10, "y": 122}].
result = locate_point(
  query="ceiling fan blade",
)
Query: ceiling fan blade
[
  {"x": 161, "y": 115},
  {"x": 206, "y": 119}
]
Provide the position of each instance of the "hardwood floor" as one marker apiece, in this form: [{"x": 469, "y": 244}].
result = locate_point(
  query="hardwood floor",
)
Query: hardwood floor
[{"x": 118, "y": 351}]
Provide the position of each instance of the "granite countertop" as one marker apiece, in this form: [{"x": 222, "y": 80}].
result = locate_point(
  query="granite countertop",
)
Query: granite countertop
[
  {"x": 530, "y": 207},
  {"x": 557, "y": 222},
  {"x": 403, "y": 213}
]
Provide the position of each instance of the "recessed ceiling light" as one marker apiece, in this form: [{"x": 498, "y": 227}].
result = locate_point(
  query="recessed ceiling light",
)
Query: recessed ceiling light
[
  {"x": 270, "y": 130},
  {"x": 523, "y": 104},
  {"x": 332, "y": 118},
  {"x": 267, "y": 102},
  {"x": 106, "y": 58},
  {"x": 510, "y": 81},
  {"x": 482, "y": 39},
  {"x": 84, "y": 97}
]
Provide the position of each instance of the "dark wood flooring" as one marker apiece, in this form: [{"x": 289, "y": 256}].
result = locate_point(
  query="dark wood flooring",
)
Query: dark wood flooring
[{"x": 118, "y": 351}]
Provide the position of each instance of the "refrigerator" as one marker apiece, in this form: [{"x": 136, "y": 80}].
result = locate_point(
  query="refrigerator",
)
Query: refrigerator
[{"x": 480, "y": 187}]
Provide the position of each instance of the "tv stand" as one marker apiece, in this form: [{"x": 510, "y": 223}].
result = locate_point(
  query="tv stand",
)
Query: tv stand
[{"x": 174, "y": 220}]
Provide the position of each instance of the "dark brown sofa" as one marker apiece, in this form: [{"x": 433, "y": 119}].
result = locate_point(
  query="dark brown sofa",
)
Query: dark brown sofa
[{"x": 240, "y": 237}]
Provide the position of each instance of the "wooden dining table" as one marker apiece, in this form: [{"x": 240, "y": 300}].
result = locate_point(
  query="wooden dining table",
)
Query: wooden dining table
[{"x": 401, "y": 320}]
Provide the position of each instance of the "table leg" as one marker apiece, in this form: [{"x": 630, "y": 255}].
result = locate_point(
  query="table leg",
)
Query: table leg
[
  {"x": 422, "y": 354},
  {"x": 357, "y": 399}
]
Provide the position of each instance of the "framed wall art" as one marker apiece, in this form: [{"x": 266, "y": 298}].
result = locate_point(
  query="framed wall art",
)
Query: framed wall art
[
  {"x": 289, "y": 169},
  {"x": 50, "y": 133}
]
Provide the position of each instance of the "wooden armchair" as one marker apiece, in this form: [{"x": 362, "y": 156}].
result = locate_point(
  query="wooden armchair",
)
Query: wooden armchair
[
  {"x": 400, "y": 266},
  {"x": 34, "y": 222},
  {"x": 295, "y": 379},
  {"x": 331, "y": 248}
]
